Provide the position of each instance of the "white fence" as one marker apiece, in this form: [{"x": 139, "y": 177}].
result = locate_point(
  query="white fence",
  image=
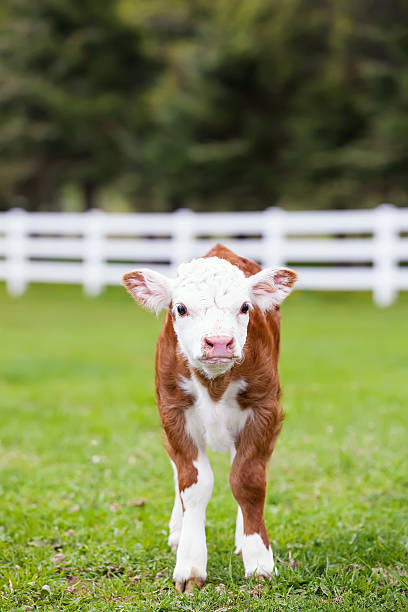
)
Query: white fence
[{"x": 331, "y": 250}]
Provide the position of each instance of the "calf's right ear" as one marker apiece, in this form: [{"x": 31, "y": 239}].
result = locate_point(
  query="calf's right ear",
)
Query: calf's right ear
[{"x": 150, "y": 289}]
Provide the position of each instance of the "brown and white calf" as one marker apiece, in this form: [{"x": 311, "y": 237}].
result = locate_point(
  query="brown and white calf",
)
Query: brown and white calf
[{"x": 217, "y": 385}]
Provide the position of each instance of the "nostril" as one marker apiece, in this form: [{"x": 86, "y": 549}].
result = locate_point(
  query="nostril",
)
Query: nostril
[
  {"x": 230, "y": 343},
  {"x": 208, "y": 343}
]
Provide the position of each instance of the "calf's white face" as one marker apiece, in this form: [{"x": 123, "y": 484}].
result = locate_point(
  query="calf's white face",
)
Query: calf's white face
[{"x": 210, "y": 302}]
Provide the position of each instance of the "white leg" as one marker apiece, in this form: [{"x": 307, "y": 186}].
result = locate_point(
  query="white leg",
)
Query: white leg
[
  {"x": 239, "y": 525},
  {"x": 239, "y": 532},
  {"x": 257, "y": 558},
  {"x": 176, "y": 518},
  {"x": 192, "y": 550}
]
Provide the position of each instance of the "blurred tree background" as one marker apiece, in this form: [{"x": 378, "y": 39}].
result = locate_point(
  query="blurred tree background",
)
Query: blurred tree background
[{"x": 235, "y": 104}]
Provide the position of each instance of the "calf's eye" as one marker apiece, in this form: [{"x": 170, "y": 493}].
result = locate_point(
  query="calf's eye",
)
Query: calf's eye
[
  {"x": 182, "y": 310},
  {"x": 244, "y": 308}
]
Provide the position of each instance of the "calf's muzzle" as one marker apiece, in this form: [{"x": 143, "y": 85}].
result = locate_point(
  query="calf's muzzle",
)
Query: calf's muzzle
[{"x": 218, "y": 347}]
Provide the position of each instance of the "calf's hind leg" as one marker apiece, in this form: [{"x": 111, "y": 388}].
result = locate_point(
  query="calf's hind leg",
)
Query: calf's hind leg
[
  {"x": 176, "y": 518},
  {"x": 239, "y": 532}
]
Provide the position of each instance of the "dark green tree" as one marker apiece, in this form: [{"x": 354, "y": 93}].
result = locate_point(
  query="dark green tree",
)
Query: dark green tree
[
  {"x": 349, "y": 128},
  {"x": 73, "y": 78},
  {"x": 300, "y": 103}
]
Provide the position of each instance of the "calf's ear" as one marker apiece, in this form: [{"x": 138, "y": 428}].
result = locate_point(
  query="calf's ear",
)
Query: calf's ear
[
  {"x": 269, "y": 287},
  {"x": 150, "y": 289}
]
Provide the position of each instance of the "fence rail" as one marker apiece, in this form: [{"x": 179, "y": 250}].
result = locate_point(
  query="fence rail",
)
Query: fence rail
[{"x": 331, "y": 250}]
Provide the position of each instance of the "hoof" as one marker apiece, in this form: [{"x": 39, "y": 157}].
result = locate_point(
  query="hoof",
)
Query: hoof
[
  {"x": 265, "y": 576},
  {"x": 188, "y": 586},
  {"x": 262, "y": 578}
]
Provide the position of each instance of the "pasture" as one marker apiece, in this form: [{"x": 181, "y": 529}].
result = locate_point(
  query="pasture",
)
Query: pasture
[{"x": 86, "y": 488}]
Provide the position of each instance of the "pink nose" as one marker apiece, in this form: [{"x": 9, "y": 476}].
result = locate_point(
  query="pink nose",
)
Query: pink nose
[{"x": 218, "y": 346}]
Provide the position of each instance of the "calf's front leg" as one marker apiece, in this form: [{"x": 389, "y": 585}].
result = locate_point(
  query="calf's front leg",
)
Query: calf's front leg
[
  {"x": 195, "y": 479},
  {"x": 248, "y": 485}
]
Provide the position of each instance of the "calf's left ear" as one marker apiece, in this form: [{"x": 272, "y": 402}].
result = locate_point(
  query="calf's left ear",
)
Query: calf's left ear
[
  {"x": 149, "y": 288},
  {"x": 269, "y": 287}
]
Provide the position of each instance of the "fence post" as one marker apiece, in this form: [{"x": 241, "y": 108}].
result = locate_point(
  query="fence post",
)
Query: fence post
[
  {"x": 385, "y": 289},
  {"x": 273, "y": 237},
  {"x": 183, "y": 237},
  {"x": 15, "y": 251},
  {"x": 93, "y": 254}
]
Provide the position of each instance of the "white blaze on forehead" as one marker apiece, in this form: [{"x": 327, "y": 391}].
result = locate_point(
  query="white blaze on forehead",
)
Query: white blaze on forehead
[{"x": 208, "y": 280}]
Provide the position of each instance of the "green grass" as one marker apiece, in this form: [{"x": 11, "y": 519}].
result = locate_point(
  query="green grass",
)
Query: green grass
[{"x": 80, "y": 440}]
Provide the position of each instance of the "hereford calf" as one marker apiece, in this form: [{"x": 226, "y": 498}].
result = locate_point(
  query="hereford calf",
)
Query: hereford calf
[{"x": 217, "y": 384}]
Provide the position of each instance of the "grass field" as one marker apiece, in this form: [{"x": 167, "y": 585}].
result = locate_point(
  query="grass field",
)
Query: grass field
[{"x": 80, "y": 447}]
